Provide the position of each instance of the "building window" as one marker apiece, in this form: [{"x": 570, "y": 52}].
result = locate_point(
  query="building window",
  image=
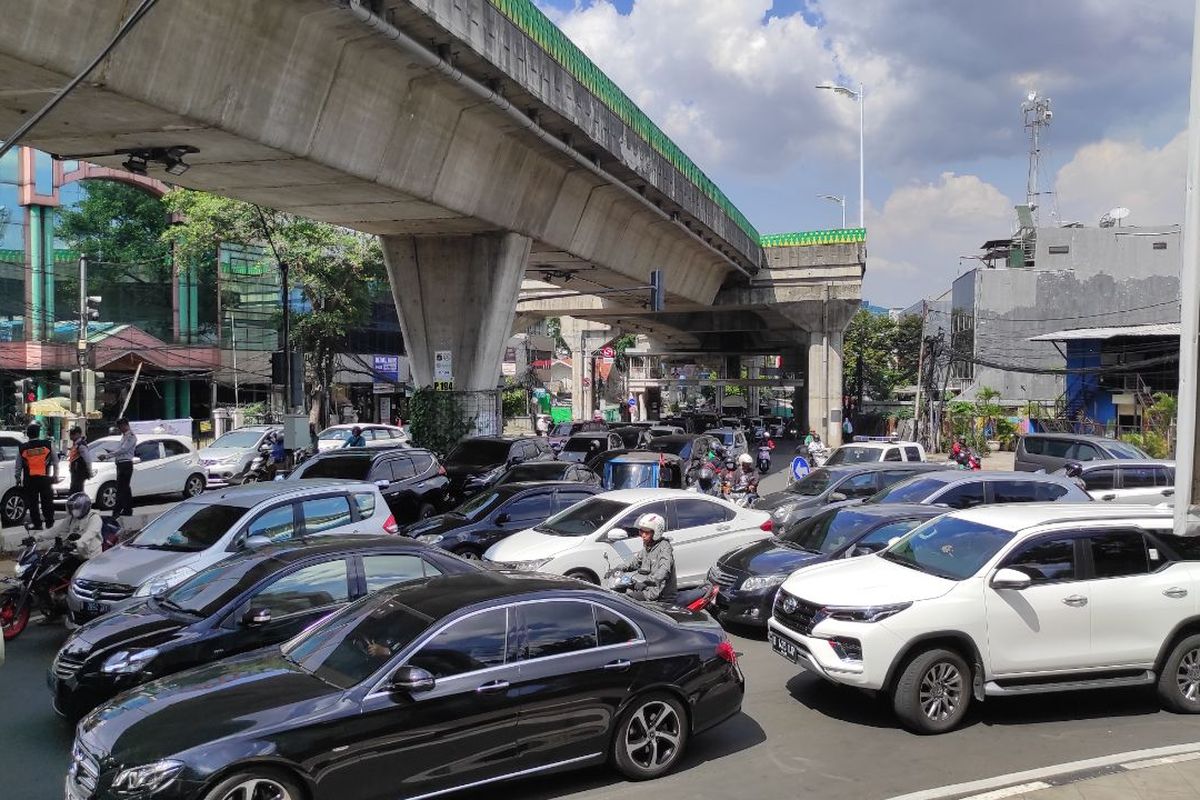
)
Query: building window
[
  {"x": 1059, "y": 249},
  {"x": 1160, "y": 245}
]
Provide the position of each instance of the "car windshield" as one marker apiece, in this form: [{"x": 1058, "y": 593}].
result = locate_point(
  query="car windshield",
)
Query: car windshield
[
  {"x": 1124, "y": 450},
  {"x": 351, "y": 645},
  {"x": 535, "y": 471},
  {"x": 852, "y": 454},
  {"x": 583, "y": 518},
  {"x": 103, "y": 447},
  {"x": 479, "y": 505},
  {"x": 335, "y": 434},
  {"x": 948, "y": 547},
  {"x": 726, "y": 438},
  {"x": 678, "y": 447},
  {"x": 813, "y": 484},
  {"x": 913, "y": 490},
  {"x": 188, "y": 527},
  {"x": 828, "y": 532},
  {"x": 630, "y": 476},
  {"x": 354, "y": 468},
  {"x": 477, "y": 454},
  {"x": 240, "y": 440},
  {"x": 563, "y": 429},
  {"x": 582, "y": 444},
  {"x": 207, "y": 592}
]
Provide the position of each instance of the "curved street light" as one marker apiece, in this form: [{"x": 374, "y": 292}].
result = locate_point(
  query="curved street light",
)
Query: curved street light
[{"x": 860, "y": 96}]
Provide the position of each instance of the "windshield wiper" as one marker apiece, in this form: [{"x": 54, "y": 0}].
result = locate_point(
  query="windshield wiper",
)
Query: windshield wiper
[{"x": 171, "y": 605}]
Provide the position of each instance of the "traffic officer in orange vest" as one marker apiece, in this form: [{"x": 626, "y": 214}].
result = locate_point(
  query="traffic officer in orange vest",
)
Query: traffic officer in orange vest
[{"x": 38, "y": 465}]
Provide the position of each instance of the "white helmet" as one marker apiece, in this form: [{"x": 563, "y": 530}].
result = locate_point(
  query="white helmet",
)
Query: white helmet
[
  {"x": 745, "y": 460},
  {"x": 652, "y": 522}
]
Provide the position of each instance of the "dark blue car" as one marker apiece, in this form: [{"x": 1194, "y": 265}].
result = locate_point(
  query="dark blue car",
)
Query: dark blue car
[{"x": 749, "y": 577}]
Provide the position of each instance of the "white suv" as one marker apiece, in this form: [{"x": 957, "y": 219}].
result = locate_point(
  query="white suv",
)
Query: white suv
[{"x": 1009, "y": 600}]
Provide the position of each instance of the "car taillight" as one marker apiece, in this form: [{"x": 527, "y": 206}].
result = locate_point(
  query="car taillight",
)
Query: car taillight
[
  {"x": 441, "y": 470},
  {"x": 390, "y": 526},
  {"x": 726, "y": 652},
  {"x": 767, "y": 526}
]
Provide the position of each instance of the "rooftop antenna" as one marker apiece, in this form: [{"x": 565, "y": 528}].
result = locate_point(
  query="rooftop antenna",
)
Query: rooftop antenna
[{"x": 1037, "y": 113}]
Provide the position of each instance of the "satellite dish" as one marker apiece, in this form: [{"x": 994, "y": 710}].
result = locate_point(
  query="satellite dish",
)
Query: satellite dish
[{"x": 1119, "y": 213}]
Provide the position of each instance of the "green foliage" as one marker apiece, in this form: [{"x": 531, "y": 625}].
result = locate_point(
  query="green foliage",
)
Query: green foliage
[
  {"x": 907, "y": 346},
  {"x": 871, "y": 338},
  {"x": 554, "y": 329},
  {"x": 515, "y": 400},
  {"x": 436, "y": 420},
  {"x": 1152, "y": 442},
  {"x": 118, "y": 223}
]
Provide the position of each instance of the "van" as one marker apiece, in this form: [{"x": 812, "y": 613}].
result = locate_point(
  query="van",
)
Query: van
[{"x": 1050, "y": 452}]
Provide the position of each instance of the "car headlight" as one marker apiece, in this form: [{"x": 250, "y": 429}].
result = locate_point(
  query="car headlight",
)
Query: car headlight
[
  {"x": 860, "y": 613},
  {"x": 756, "y": 582},
  {"x": 784, "y": 511},
  {"x": 430, "y": 538},
  {"x": 20, "y": 569},
  {"x": 526, "y": 566},
  {"x": 158, "y": 584},
  {"x": 146, "y": 779},
  {"x": 125, "y": 662}
]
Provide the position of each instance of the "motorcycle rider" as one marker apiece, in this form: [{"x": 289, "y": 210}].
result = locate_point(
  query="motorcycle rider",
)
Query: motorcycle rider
[
  {"x": 82, "y": 532},
  {"x": 746, "y": 478},
  {"x": 654, "y": 566},
  {"x": 706, "y": 482},
  {"x": 356, "y": 438}
]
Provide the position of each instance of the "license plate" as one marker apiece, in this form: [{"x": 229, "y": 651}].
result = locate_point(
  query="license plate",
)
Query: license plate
[
  {"x": 786, "y": 648},
  {"x": 92, "y": 607}
]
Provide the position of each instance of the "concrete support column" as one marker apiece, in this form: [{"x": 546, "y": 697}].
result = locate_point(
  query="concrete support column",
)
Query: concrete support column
[
  {"x": 456, "y": 294},
  {"x": 754, "y": 393},
  {"x": 183, "y": 398},
  {"x": 168, "y": 395},
  {"x": 824, "y": 385}
]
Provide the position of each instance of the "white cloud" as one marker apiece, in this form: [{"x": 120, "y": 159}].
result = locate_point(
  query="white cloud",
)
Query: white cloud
[{"x": 1150, "y": 181}]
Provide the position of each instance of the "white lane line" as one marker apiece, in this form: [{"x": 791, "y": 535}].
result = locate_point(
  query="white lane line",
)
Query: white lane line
[
  {"x": 1041, "y": 773},
  {"x": 1159, "y": 762},
  {"x": 1011, "y": 791}
]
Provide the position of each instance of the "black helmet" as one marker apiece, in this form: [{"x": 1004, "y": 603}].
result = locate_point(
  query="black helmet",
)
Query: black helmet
[{"x": 706, "y": 478}]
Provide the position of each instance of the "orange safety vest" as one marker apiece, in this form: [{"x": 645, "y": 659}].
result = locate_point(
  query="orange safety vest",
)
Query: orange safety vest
[{"x": 37, "y": 461}]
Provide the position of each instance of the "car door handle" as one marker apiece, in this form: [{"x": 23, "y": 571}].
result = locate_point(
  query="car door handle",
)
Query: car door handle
[
  {"x": 620, "y": 665},
  {"x": 1168, "y": 492},
  {"x": 722, "y": 527},
  {"x": 1176, "y": 592},
  {"x": 492, "y": 687},
  {"x": 1075, "y": 601},
  {"x": 1108, "y": 497}
]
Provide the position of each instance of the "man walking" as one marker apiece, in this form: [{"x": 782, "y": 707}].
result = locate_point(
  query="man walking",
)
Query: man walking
[
  {"x": 123, "y": 456},
  {"x": 38, "y": 471},
  {"x": 79, "y": 460}
]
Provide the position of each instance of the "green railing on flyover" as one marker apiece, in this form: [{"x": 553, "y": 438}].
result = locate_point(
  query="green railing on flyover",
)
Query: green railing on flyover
[
  {"x": 538, "y": 27},
  {"x": 808, "y": 238}
]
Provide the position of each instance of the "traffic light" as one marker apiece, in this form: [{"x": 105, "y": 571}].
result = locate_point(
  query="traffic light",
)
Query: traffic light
[
  {"x": 92, "y": 306},
  {"x": 26, "y": 393},
  {"x": 91, "y": 384},
  {"x": 69, "y": 387},
  {"x": 657, "y": 300}
]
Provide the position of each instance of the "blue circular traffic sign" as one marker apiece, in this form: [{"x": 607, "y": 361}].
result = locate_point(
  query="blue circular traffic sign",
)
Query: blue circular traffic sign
[{"x": 800, "y": 467}]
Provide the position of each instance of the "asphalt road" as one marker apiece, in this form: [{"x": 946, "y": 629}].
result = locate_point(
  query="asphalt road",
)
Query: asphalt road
[{"x": 797, "y": 738}]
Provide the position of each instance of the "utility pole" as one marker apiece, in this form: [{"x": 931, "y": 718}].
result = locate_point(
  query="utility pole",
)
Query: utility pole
[
  {"x": 288, "y": 394},
  {"x": 920, "y": 374},
  {"x": 81, "y": 343}
]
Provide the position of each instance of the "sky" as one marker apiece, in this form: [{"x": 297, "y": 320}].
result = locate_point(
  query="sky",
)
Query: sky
[{"x": 733, "y": 83}]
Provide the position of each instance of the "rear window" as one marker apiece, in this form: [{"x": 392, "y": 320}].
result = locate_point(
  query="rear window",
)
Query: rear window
[
  {"x": 188, "y": 527},
  {"x": 582, "y": 444},
  {"x": 851, "y": 454},
  {"x": 1124, "y": 450},
  {"x": 913, "y": 490},
  {"x": 353, "y": 468}
]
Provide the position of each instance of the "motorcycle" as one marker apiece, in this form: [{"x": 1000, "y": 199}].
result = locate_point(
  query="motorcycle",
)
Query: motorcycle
[
  {"x": 261, "y": 468},
  {"x": 742, "y": 498},
  {"x": 42, "y": 578},
  {"x": 967, "y": 459},
  {"x": 764, "y": 457},
  {"x": 696, "y": 600}
]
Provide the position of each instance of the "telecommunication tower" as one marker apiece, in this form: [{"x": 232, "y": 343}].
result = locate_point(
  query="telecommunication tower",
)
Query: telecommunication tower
[{"x": 1036, "y": 110}]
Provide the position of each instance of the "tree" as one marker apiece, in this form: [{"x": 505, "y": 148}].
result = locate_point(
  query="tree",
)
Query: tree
[
  {"x": 870, "y": 337},
  {"x": 907, "y": 345}
]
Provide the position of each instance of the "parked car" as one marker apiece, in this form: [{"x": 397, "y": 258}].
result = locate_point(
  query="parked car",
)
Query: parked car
[
  {"x": 665, "y": 430},
  {"x": 12, "y": 498},
  {"x": 1052, "y": 451},
  {"x": 201, "y": 531},
  {"x": 992, "y": 602},
  {"x": 565, "y": 430},
  {"x": 489, "y": 516},
  {"x": 162, "y": 464},
  {"x": 826, "y": 485},
  {"x": 477, "y": 462},
  {"x": 423, "y": 689},
  {"x": 1125, "y": 480},
  {"x": 231, "y": 453},
  {"x": 544, "y": 471},
  {"x": 584, "y": 447},
  {"x": 335, "y": 436},
  {"x": 633, "y": 436},
  {"x": 256, "y": 598},
  {"x": 960, "y": 489},
  {"x": 750, "y": 576},
  {"x": 413, "y": 483},
  {"x": 868, "y": 452},
  {"x": 733, "y": 439},
  {"x": 10, "y": 444},
  {"x": 590, "y": 538}
]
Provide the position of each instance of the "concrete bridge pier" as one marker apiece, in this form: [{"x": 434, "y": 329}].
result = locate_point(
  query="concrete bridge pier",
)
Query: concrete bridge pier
[
  {"x": 824, "y": 385},
  {"x": 456, "y": 294}
]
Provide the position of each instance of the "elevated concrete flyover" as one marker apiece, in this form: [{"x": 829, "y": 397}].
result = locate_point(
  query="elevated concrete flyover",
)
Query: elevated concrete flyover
[{"x": 469, "y": 134}]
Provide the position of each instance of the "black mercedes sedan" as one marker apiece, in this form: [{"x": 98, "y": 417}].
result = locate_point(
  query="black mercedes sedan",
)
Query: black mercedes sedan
[
  {"x": 750, "y": 576},
  {"x": 495, "y": 513},
  {"x": 256, "y": 598},
  {"x": 421, "y": 689}
]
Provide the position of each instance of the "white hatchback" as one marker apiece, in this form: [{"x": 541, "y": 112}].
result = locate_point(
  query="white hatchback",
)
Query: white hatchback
[
  {"x": 335, "y": 436},
  {"x": 162, "y": 464},
  {"x": 591, "y": 537}
]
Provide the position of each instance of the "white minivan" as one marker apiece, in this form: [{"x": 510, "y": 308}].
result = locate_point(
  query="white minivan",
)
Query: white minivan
[{"x": 593, "y": 536}]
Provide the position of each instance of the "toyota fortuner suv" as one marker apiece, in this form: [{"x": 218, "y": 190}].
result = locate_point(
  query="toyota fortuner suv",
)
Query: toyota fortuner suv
[{"x": 997, "y": 601}]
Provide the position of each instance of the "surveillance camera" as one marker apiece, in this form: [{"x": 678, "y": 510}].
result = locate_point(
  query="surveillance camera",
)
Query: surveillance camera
[{"x": 1049, "y": 115}]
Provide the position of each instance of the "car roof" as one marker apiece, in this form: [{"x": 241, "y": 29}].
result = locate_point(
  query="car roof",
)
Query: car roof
[
  {"x": 256, "y": 428},
  {"x": 1021, "y": 516},
  {"x": 677, "y": 437},
  {"x": 363, "y": 425},
  {"x": 893, "y": 510},
  {"x": 953, "y": 475},
  {"x": 147, "y": 437},
  {"x": 1074, "y": 437},
  {"x": 504, "y": 439},
  {"x": 443, "y": 595},
  {"x": 520, "y": 486},
  {"x": 1125, "y": 462},
  {"x": 591, "y": 434},
  {"x": 887, "y": 466},
  {"x": 721, "y": 430},
  {"x": 633, "y": 456},
  {"x": 642, "y": 495},
  {"x": 896, "y": 443},
  {"x": 365, "y": 452},
  {"x": 251, "y": 494},
  {"x": 301, "y": 548}
]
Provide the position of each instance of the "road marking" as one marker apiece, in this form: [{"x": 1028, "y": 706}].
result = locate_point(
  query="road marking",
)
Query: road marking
[
  {"x": 968, "y": 788},
  {"x": 1011, "y": 791},
  {"x": 1160, "y": 762}
]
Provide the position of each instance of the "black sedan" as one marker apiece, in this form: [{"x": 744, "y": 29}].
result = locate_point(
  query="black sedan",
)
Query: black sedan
[
  {"x": 257, "y": 598},
  {"x": 422, "y": 689},
  {"x": 807, "y": 496},
  {"x": 750, "y": 576},
  {"x": 412, "y": 481},
  {"x": 488, "y": 517},
  {"x": 549, "y": 471}
]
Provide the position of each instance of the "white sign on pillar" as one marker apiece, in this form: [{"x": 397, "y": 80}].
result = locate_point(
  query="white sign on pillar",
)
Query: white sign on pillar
[{"x": 443, "y": 369}]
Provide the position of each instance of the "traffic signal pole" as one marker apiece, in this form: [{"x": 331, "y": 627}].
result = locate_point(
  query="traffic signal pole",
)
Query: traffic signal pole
[{"x": 81, "y": 343}]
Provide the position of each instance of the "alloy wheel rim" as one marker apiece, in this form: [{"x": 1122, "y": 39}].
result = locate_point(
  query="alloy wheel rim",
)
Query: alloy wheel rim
[
  {"x": 194, "y": 486},
  {"x": 14, "y": 508},
  {"x": 470, "y": 555},
  {"x": 258, "y": 789},
  {"x": 941, "y": 691},
  {"x": 653, "y": 735},
  {"x": 1188, "y": 675},
  {"x": 109, "y": 497}
]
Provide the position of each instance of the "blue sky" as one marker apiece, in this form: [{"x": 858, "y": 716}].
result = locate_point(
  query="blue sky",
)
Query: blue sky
[{"x": 732, "y": 81}]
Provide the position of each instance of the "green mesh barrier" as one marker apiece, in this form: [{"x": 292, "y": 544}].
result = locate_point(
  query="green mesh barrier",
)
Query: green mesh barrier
[
  {"x": 808, "y": 238},
  {"x": 538, "y": 27}
]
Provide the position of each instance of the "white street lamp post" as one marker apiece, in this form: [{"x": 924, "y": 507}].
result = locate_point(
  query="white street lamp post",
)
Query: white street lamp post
[
  {"x": 841, "y": 201},
  {"x": 861, "y": 98}
]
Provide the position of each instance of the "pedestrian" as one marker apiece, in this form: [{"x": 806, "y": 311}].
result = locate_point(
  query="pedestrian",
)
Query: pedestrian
[
  {"x": 79, "y": 460},
  {"x": 543, "y": 426},
  {"x": 847, "y": 427},
  {"x": 38, "y": 472},
  {"x": 123, "y": 456}
]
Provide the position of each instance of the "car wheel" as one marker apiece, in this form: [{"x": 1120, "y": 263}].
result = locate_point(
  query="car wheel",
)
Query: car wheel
[
  {"x": 194, "y": 485},
  {"x": 256, "y": 784},
  {"x": 14, "y": 615},
  {"x": 426, "y": 511},
  {"x": 106, "y": 498},
  {"x": 12, "y": 509},
  {"x": 250, "y": 477},
  {"x": 583, "y": 575},
  {"x": 650, "y": 737},
  {"x": 1179, "y": 682},
  {"x": 933, "y": 692},
  {"x": 468, "y": 553}
]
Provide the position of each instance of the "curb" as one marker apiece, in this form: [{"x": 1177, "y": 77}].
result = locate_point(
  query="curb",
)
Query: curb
[{"x": 1033, "y": 780}]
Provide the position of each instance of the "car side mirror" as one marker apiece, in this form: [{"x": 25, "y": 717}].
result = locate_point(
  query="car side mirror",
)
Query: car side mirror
[
  {"x": 253, "y": 542},
  {"x": 617, "y": 534},
  {"x": 137, "y": 460},
  {"x": 1009, "y": 578},
  {"x": 502, "y": 518},
  {"x": 411, "y": 679},
  {"x": 838, "y": 497},
  {"x": 383, "y": 483},
  {"x": 256, "y": 617}
]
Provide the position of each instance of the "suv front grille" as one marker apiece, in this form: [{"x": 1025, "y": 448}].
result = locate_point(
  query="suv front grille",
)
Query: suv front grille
[
  {"x": 802, "y": 616},
  {"x": 97, "y": 590},
  {"x": 724, "y": 578},
  {"x": 65, "y": 667},
  {"x": 85, "y": 770}
]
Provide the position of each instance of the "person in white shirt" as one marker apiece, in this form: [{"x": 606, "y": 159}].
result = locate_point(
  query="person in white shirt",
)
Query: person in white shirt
[{"x": 123, "y": 456}]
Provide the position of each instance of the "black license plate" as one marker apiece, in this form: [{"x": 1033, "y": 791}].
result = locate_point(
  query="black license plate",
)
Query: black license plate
[
  {"x": 787, "y": 648},
  {"x": 94, "y": 608}
]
